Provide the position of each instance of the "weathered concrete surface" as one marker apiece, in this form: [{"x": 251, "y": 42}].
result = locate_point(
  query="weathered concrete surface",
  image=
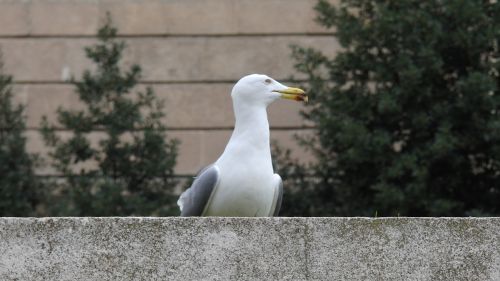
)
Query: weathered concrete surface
[{"x": 250, "y": 249}]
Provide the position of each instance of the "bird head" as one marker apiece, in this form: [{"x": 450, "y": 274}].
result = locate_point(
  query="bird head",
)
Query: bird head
[{"x": 263, "y": 90}]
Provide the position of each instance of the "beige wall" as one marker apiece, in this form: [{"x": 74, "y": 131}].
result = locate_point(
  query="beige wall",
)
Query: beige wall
[{"x": 191, "y": 52}]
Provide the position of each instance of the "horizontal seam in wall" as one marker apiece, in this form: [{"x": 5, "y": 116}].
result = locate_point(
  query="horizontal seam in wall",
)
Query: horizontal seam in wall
[
  {"x": 174, "y": 176},
  {"x": 125, "y": 36},
  {"x": 60, "y": 176},
  {"x": 149, "y": 82},
  {"x": 273, "y": 128}
]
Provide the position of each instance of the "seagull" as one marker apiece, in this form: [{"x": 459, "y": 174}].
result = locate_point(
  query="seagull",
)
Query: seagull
[{"x": 242, "y": 182}]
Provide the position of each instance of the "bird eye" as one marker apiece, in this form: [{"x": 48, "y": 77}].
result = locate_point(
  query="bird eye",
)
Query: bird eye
[{"x": 267, "y": 81}]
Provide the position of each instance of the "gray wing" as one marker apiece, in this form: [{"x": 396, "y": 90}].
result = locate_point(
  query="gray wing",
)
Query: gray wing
[
  {"x": 193, "y": 201},
  {"x": 279, "y": 198}
]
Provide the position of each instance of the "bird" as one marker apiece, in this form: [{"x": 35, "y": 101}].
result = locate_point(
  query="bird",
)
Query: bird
[{"x": 242, "y": 182}]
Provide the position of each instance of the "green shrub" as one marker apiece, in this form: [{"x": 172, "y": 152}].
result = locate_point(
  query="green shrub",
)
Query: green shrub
[
  {"x": 129, "y": 171},
  {"x": 19, "y": 187},
  {"x": 407, "y": 112}
]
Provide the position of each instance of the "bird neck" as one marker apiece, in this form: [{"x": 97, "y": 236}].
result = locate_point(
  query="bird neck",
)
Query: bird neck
[
  {"x": 249, "y": 143},
  {"x": 251, "y": 124}
]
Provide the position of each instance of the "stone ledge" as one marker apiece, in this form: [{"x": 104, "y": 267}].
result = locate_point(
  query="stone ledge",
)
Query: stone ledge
[{"x": 250, "y": 249}]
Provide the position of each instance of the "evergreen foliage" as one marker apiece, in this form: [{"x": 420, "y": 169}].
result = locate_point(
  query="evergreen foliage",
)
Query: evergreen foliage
[
  {"x": 19, "y": 187},
  {"x": 407, "y": 112},
  {"x": 129, "y": 171}
]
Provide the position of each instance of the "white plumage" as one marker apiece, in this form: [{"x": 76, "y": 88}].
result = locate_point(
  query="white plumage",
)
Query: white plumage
[{"x": 242, "y": 181}]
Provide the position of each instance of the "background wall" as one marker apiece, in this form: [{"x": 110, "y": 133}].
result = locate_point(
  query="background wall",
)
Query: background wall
[{"x": 191, "y": 52}]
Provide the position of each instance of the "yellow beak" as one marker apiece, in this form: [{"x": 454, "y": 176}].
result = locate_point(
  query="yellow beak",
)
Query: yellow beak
[{"x": 293, "y": 94}]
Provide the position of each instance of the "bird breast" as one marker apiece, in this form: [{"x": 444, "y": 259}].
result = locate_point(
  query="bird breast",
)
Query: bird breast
[{"x": 246, "y": 188}]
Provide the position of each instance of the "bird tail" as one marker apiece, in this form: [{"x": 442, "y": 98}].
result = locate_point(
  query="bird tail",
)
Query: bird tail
[{"x": 183, "y": 198}]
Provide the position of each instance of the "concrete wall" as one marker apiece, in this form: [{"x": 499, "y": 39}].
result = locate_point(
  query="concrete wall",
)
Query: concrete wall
[
  {"x": 191, "y": 53},
  {"x": 250, "y": 249}
]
